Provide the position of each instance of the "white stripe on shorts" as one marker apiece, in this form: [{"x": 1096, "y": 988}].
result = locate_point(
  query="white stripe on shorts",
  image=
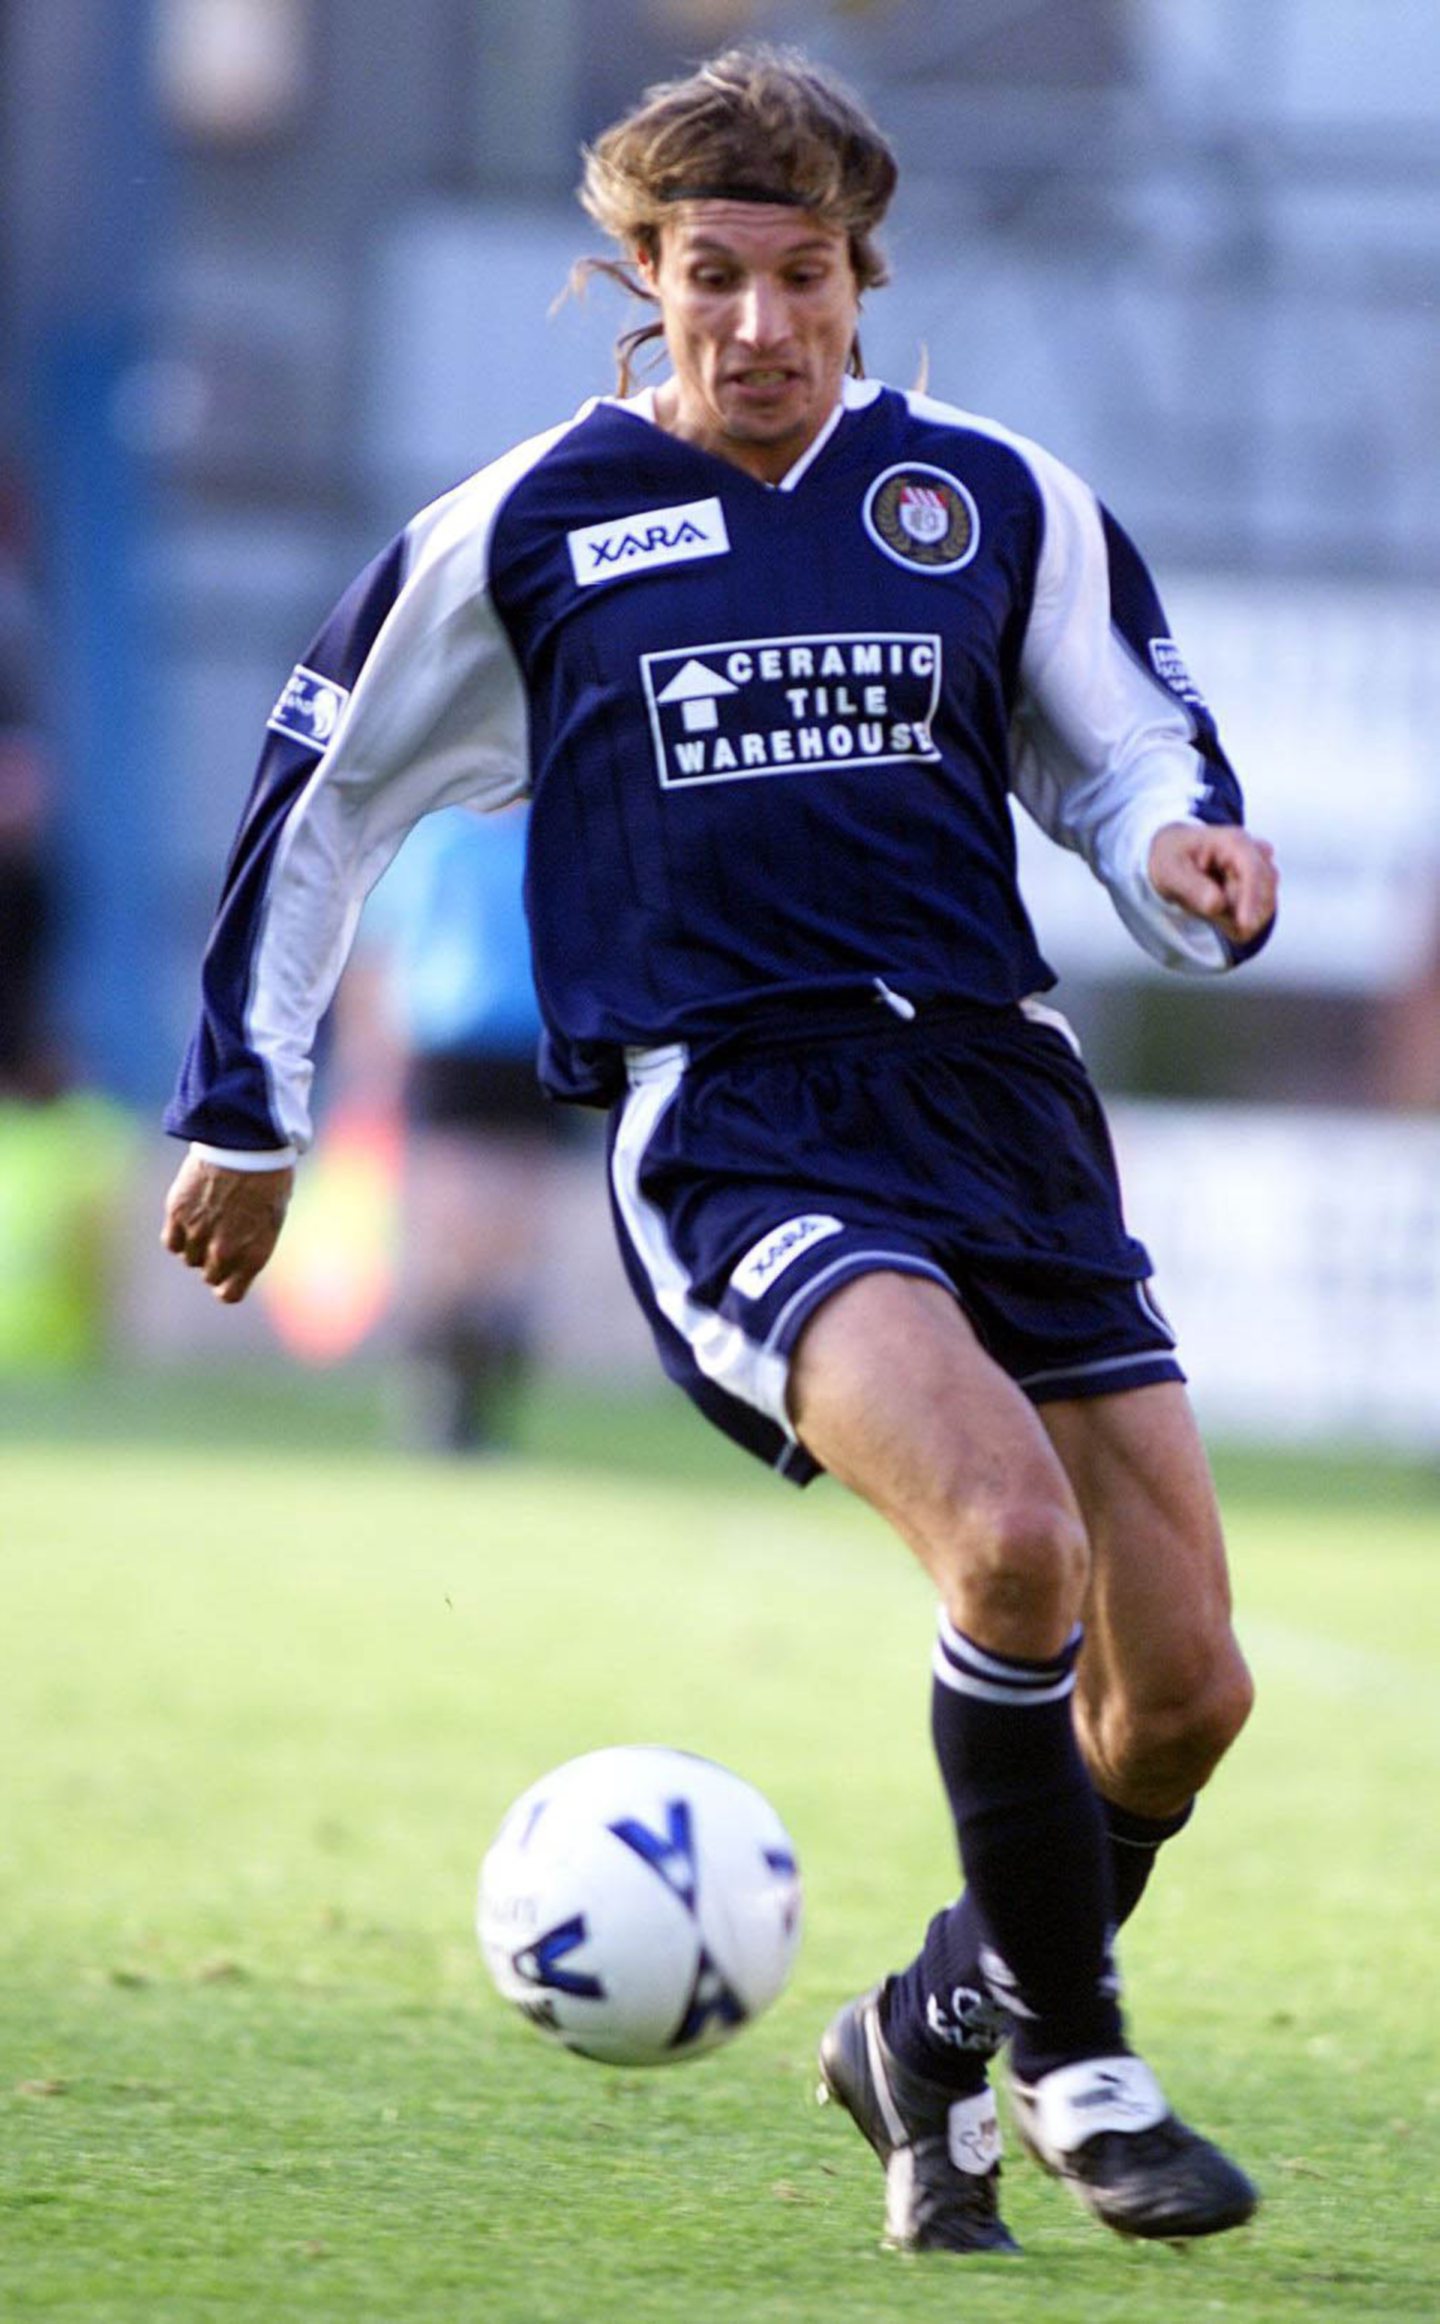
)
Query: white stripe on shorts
[
  {"x": 1097, "y": 1370},
  {"x": 739, "y": 1365}
]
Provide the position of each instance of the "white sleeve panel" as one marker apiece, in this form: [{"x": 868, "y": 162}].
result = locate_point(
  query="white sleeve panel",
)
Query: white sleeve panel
[
  {"x": 436, "y": 717},
  {"x": 1102, "y": 752}
]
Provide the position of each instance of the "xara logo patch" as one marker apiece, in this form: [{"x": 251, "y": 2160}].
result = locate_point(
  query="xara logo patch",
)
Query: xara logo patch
[{"x": 652, "y": 537}]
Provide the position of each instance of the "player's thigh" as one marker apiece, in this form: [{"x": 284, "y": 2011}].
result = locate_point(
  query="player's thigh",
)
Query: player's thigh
[
  {"x": 1163, "y": 1685},
  {"x": 891, "y": 1391}
]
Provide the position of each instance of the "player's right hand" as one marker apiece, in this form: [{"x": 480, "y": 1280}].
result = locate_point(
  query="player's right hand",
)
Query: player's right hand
[
  {"x": 225, "y": 1222},
  {"x": 1220, "y": 872}
]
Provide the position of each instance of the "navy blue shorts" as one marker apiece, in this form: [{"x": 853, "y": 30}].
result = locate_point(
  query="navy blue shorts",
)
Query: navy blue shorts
[{"x": 968, "y": 1146}]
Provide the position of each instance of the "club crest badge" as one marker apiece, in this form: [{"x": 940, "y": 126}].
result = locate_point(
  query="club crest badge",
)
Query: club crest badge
[{"x": 923, "y": 517}]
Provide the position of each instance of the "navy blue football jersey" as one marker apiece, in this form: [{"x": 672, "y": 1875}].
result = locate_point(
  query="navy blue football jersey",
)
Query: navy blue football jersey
[{"x": 770, "y": 734}]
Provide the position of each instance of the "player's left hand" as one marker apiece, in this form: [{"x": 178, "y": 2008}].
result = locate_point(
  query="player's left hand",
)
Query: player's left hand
[{"x": 1218, "y": 871}]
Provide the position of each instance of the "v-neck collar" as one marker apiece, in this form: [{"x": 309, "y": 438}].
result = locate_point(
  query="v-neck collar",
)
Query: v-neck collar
[{"x": 855, "y": 395}]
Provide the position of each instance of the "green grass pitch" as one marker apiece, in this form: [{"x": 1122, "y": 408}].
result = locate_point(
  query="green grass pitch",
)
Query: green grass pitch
[{"x": 260, "y": 1711}]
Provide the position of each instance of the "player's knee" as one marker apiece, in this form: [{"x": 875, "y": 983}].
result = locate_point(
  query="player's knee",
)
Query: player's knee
[
  {"x": 1226, "y": 1704},
  {"x": 1163, "y": 1746},
  {"x": 1017, "y": 1575}
]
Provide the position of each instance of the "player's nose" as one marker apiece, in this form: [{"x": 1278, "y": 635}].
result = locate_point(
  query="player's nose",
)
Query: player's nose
[{"x": 761, "y": 321}]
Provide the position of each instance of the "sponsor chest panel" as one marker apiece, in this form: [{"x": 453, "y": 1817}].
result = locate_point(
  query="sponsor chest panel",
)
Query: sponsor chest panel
[{"x": 745, "y": 707}]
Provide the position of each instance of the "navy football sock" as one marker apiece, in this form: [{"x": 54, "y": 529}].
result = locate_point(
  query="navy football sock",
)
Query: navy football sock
[
  {"x": 1037, "y": 1911},
  {"x": 939, "y": 2018},
  {"x": 1135, "y": 1842}
]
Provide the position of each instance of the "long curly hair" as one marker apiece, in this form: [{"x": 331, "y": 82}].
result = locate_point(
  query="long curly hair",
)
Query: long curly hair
[{"x": 763, "y": 120}]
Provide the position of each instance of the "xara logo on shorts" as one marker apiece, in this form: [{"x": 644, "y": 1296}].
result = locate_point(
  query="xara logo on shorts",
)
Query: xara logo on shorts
[{"x": 781, "y": 706}]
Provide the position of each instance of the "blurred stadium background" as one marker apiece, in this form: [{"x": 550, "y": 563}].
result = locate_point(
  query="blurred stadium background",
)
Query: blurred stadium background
[{"x": 275, "y": 272}]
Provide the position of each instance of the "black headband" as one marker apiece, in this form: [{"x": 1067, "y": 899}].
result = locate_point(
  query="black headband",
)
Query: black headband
[{"x": 734, "y": 193}]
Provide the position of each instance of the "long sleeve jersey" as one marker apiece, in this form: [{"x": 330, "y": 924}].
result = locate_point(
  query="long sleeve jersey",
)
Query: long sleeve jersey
[{"x": 769, "y": 733}]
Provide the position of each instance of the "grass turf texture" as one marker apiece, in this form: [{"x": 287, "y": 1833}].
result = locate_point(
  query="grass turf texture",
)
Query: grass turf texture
[{"x": 260, "y": 1713}]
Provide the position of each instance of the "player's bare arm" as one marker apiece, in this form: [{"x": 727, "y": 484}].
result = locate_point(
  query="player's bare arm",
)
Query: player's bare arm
[
  {"x": 225, "y": 1222},
  {"x": 1220, "y": 872}
]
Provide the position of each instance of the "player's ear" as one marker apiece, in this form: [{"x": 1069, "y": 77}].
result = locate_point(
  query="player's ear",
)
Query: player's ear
[{"x": 645, "y": 257}]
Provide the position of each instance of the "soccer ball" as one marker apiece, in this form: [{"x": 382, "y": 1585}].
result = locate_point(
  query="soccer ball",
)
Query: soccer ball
[{"x": 640, "y": 1905}]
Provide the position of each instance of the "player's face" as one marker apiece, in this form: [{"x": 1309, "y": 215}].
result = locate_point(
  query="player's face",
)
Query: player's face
[{"x": 760, "y": 305}]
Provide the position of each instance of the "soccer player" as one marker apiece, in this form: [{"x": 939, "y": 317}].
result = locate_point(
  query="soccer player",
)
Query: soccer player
[{"x": 770, "y": 646}]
